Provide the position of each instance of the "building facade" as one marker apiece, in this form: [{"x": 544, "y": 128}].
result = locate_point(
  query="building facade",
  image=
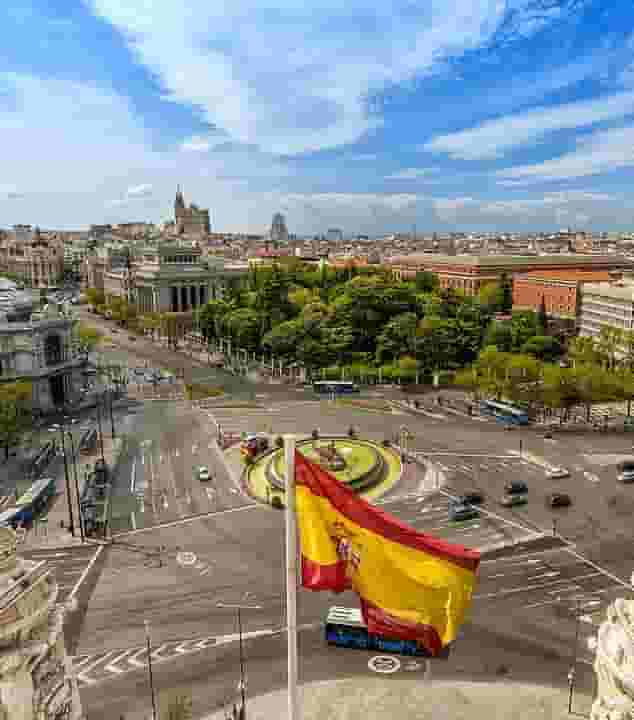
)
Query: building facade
[
  {"x": 190, "y": 220},
  {"x": 559, "y": 290},
  {"x": 606, "y": 303},
  {"x": 278, "y": 232},
  {"x": 43, "y": 350},
  {"x": 174, "y": 277},
  {"x": 36, "y": 258},
  {"x": 470, "y": 273},
  {"x": 36, "y": 678}
]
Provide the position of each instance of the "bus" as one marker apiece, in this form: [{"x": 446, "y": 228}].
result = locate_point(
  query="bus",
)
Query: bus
[
  {"x": 29, "y": 504},
  {"x": 345, "y": 627},
  {"x": 504, "y": 413},
  {"x": 334, "y": 387}
]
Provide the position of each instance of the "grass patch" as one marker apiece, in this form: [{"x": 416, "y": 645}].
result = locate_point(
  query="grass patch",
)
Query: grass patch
[{"x": 199, "y": 391}]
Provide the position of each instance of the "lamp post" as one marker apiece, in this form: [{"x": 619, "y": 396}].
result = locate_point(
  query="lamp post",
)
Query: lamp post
[
  {"x": 103, "y": 460},
  {"x": 74, "y": 457},
  {"x": 149, "y": 665},
  {"x": 243, "y": 681},
  {"x": 71, "y": 524}
]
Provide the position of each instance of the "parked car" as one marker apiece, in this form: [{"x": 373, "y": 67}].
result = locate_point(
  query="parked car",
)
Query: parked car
[
  {"x": 512, "y": 500},
  {"x": 203, "y": 473},
  {"x": 472, "y": 497},
  {"x": 516, "y": 487},
  {"x": 557, "y": 473},
  {"x": 458, "y": 512},
  {"x": 556, "y": 500}
]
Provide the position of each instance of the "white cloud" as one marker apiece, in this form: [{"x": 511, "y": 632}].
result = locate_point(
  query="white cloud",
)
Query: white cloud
[
  {"x": 494, "y": 138},
  {"x": 289, "y": 76},
  {"x": 200, "y": 143},
  {"x": 138, "y": 191},
  {"x": 602, "y": 152},
  {"x": 410, "y": 174}
]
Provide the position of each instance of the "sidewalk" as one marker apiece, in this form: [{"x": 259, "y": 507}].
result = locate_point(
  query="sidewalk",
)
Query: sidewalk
[
  {"x": 50, "y": 533},
  {"x": 377, "y": 698}
]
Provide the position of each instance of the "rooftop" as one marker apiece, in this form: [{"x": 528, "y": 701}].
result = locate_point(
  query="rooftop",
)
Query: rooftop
[
  {"x": 623, "y": 290},
  {"x": 497, "y": 260},
  {"x": 567, "y": 275}
]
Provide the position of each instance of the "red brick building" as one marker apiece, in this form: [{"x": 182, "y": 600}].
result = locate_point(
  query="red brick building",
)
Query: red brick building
[
  {"x": 469, "y": 273},
  {"x": 559, "y": 288}
]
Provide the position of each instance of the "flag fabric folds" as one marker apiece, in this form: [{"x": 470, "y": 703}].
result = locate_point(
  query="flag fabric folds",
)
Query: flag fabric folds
[{"x": 411, "y": 585}]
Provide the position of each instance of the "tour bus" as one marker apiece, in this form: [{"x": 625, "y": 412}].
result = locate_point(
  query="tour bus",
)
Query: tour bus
[
  {"x": 345, "y": 627},
  {"x": 336, "y": 387},
  {"x": 504, "y": 412}
]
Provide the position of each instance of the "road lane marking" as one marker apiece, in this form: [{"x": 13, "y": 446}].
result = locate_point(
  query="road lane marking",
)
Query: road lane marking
[
  {"x": 85, "y": 573},
  {"x": 526, "y": 588},
  {"x": 83, "y": 676}
]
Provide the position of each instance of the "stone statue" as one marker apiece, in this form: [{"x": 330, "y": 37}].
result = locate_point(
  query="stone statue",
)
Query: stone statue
[{"x": 614, "y": 664}]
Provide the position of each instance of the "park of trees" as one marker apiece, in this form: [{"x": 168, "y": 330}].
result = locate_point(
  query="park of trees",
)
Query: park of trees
[{"x": 362, "y": 324}]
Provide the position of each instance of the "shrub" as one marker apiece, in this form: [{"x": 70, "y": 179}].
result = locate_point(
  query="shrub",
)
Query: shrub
[
  {"x": 279, "y": 441},
  {"x": 315, "y": 434},
  {"x": 276, "y": 502}
]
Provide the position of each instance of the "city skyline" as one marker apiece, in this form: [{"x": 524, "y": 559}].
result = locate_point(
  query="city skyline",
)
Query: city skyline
[{"x": 513, "y": 116}]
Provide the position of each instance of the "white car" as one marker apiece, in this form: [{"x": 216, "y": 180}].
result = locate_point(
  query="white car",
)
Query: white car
[
  {"x": 203, "y": 473},
  {"x": 557, "y": 473}
]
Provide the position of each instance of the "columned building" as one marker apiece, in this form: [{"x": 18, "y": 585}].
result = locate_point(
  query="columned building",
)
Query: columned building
[
  {"x": 173, "y": 277},
  {"x": 35, "y": 257}
]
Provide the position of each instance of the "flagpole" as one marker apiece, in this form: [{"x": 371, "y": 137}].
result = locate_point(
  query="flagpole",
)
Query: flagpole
[{"x": 291, "y": 579}]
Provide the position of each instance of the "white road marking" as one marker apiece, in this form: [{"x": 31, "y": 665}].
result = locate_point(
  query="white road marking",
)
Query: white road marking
[
  {"x": 85, "y": 573},
  {"x": 82, "y": 675},
  {"x": 526, "y": 588},
  {"x": 112, "y": 665}
]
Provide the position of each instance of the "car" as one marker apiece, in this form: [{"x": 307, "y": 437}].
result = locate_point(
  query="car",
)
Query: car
[
  {"x": 509, "y": 427},
  {"x": 114, "y": 331},
  {"x": 557, "y": 473},
  {"x": 458, "y": 512},
  {"x": 472, "y": 497},
  {"x": 516, "y": 487},
  {"x": 511, "y": 500},
  {"x": 556, "y": 500},
  {"x": 131, "y": 338},
  {"x": 203, "y": 473},
  {"x": 548, "y": 435}
]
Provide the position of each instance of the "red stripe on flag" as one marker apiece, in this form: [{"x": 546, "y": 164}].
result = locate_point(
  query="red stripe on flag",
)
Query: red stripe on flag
[
  {"x": 380, "y": 622},
  {"x": 324, "y": 577},
  {"x": 344, "y": 500}
]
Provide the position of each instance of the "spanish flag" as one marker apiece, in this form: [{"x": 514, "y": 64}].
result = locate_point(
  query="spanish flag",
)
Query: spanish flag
[{"x": 412, "y": 586}]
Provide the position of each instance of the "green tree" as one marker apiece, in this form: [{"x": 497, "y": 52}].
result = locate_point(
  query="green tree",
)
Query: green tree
[
  {"x": 544, "y": 347},
  {"x": 505, "y": 294},
  {"x": 398, "y": 337},
  {"x": 175, "y": 705},
  {"x": 95, "y": 297},
  {"x": 609, "y": 344},
  {"x": 489, "y": 297},
  {"x": 561, "y": 389},
  {"x": 15, "y": 413},
  {"x": 499, "y": 334},
  {"x": 88, "y": 338},
  {"x": 524, "y": 325},
  {"x": 244, "y": 326},
  {"x": 583, "y": 350},
  {"x": 426, "y": 282},
  {"x": 542, "y": 316}
]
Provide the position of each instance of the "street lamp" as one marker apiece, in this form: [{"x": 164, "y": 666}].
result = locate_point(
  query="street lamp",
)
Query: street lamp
[
  {"x": 71, "y": 526},
  {"x": 74, "y": 457},
  {"x": 149, "y": 664},
  {"x": 242, "y": 686},
  {"x": 571, "y": 685}
]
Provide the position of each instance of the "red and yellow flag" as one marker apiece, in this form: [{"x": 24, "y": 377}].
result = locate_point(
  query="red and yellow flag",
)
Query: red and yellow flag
[{"x": 411, "y": 585}]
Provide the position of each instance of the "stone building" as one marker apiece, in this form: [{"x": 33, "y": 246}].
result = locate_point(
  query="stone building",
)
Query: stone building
[
  {"x": 29, "y": 254},
  {"x": 190, "y": 220},
  {"x": 36, "y": 679},
  {"x": 42, "y": 350},
  {"x": 174, "y": 277}
]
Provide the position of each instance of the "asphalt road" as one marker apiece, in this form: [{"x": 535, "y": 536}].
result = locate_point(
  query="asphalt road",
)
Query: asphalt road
[
  {"x": 178, "y": 570},
  {"x": 525, "y": 608}
]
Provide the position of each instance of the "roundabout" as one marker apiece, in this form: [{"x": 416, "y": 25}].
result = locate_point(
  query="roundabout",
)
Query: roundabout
[{"x": 367, "y": 467}]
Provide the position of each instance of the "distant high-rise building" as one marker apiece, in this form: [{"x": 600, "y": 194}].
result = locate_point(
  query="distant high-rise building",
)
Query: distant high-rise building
[
  {"x": 334, "y": 235},
  {"x": 278, "y": 232}
]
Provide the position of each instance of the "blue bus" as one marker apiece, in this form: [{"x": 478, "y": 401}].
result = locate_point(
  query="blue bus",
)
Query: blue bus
[
  {"x": 345, "y": 628},
  {"x": 504, "y": 413},
  {"x": 29, "y": 504},
  {"x": 336, "y": 387}
]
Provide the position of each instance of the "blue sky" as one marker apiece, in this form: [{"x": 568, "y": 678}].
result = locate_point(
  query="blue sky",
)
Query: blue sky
[{"x": 472, "y": 114}]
